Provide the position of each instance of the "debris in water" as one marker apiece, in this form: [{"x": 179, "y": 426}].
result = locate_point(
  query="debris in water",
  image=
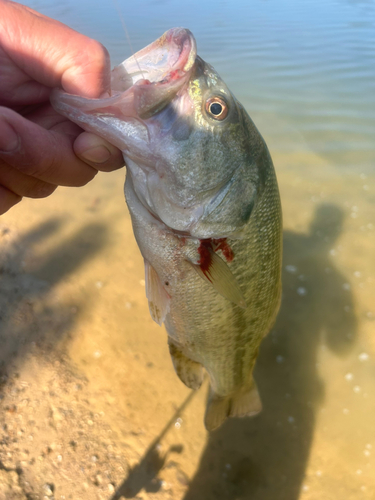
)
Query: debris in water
[
  {"x": 363, "y": 356},
  {"x": 178, "y": 423},
  {"x": 291, "y": 269}
]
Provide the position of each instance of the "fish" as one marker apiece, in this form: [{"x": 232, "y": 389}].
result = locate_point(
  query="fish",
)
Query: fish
[{"x": 205, "y": 208}]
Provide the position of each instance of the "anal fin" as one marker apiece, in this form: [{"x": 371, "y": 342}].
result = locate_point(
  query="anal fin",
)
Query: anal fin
[
  {"x": 190, "y": 372},
  {"x": 158, "y": 298},
  {"x": 240, "y": 404}
]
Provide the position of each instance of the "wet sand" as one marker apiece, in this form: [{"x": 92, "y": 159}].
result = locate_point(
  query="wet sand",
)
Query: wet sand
[{"x": 90, "y": 407}]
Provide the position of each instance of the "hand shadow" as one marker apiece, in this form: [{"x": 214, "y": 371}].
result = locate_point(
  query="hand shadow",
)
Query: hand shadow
[{"x": 264, "y": 457}]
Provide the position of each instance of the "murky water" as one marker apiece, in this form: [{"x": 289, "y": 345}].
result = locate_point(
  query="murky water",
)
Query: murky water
[{"x": 305, "y": 71}]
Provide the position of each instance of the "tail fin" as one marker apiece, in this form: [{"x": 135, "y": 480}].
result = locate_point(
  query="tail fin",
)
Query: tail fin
[{"x": 240, "y": 404}]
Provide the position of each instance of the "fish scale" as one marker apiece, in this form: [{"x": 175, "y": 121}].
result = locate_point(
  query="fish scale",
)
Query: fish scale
[
  {"x": 242, "y": 328},
  {"x": 204, "y": 202}
]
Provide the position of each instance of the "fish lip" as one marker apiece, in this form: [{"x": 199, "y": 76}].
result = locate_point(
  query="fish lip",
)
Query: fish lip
[
  {"x": 182, "y": 39},
  {"x": 166, "y": 59},
  {"x": 167, "y": 63}
]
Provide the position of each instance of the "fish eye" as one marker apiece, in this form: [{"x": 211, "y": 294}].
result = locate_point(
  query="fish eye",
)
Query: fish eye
[{"x": 216, "y": 108}]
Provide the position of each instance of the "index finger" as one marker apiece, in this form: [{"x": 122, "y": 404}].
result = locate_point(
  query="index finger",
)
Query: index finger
[{"x": 52, "y": 53}]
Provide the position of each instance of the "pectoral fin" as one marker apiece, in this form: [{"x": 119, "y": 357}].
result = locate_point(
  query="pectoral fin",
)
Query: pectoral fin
[
  {"x": 218, "y": 275},
  {"x": 158, "y": 298}
]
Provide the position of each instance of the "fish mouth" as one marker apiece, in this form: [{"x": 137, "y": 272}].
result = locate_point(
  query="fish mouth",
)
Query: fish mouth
[
  {"x": 141, "y": 86},
  {"x": 164, "y": 61},
  {"x": 157, "y": 72}
]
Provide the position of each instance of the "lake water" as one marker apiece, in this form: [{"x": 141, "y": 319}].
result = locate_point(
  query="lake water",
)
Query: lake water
[
  {"x": 305, "y": 71},
  {"x": 311, "y": 63}
]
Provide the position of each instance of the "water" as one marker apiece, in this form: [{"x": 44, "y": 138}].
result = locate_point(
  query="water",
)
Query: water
[
  {"x": 305, "y": 71},
  {"x": 312, "y": 64}
]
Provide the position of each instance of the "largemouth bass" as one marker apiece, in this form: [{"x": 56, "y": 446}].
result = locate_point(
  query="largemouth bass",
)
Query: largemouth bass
[{"x": 204, "y": 203}]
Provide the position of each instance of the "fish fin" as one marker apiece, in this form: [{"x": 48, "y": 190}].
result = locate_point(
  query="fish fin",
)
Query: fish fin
[
  {"x": 158, "y": 298},
  {"x": 217, "y": 411},
  {"x": 240, "y": 404},
  {"x": 190, "y": 372},
  {"x": 246, "y": 404},
  {"x": 222, "y": 279}
]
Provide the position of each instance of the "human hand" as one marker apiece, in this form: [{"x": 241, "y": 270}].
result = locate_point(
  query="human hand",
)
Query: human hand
[{"x": 40, "y": 149}]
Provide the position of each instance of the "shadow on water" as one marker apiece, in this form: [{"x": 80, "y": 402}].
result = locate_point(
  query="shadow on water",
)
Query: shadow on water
[
  {"x": 30, "y": 311},
  {"x": 264, "y": 458}
]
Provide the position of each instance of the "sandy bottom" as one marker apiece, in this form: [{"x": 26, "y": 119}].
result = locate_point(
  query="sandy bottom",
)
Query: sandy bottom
[{"x": 90, "y": 407}]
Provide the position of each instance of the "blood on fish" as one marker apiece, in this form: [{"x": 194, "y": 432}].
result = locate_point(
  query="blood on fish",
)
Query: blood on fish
[
  {"x": 173, "y": 75},
  {"x": 221, "y": 244},
  {"x": 204, "y": 251},
  {"x": 207, "y": 246}
]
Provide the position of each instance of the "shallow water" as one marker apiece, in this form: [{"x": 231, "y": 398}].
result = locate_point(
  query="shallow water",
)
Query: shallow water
[{"x": 305, "y": 71}]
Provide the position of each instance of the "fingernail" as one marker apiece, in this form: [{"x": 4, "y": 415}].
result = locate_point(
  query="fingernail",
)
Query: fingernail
[
  {"x": 99, "y": 154},
  {"x": 9, "y": 140}
]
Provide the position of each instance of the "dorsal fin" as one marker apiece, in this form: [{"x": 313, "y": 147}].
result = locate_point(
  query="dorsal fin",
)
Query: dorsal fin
[
  {"x": 158, "y": 298},
  {"x": 218, "y": 275}
]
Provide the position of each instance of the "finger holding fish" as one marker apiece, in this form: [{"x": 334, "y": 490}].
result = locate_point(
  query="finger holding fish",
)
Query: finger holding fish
[{"x": 40, "y": 149}]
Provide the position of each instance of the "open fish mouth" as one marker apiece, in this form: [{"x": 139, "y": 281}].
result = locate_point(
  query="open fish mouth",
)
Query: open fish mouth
[
  {"x": 167, "y": 59},
  {"x": 141, "y": 86}
]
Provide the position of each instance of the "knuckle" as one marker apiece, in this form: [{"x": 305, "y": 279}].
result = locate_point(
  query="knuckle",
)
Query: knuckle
[
  {"x": 34, "y": 162},
  {"x": 97, "y": 50},
  {"x": 28, "y": 164}
]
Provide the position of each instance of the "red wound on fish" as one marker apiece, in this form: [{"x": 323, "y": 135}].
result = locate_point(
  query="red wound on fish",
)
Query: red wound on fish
[
  {"x": 204, "y": 251},
  {"x": 173, "y": 75},
  {"x": 211, "y": 245},
  {"x": 221, "y": 244}
]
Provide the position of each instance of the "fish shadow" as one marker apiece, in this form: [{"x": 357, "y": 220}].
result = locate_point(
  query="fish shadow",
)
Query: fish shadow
[
  {"x": 265, "y": 457},
  {"x": 30, "y": 312}
]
